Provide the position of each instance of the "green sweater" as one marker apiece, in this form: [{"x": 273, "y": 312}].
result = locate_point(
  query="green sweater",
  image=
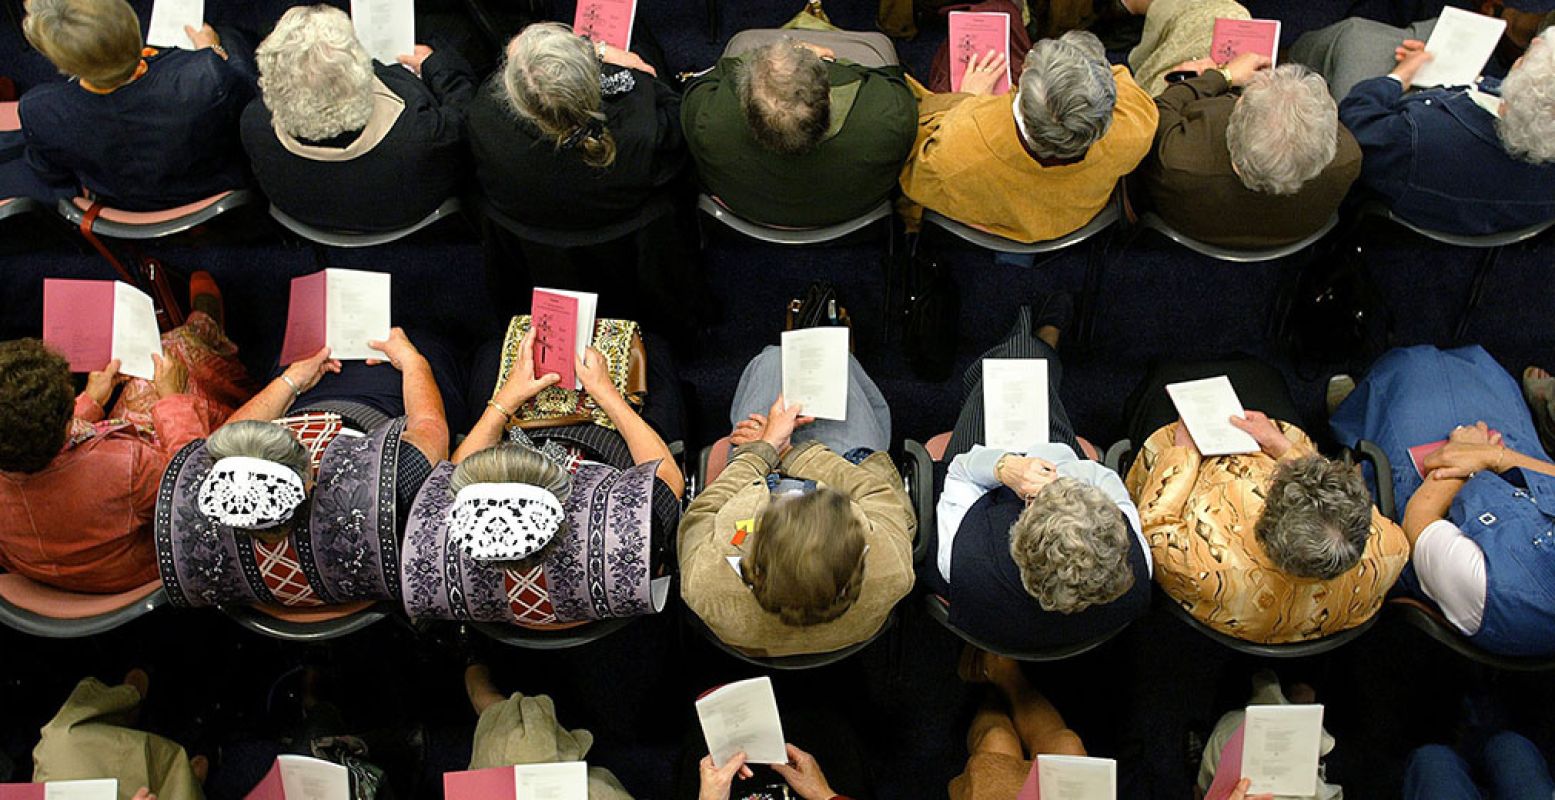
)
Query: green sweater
[{"x": 851, "y": 171}]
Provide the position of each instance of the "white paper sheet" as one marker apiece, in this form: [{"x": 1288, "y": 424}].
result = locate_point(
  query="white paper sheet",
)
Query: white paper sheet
[
  {"x": 168, "y": 18},
  {"x": 815, "y": 371},
  {"x": 568, "y": 780},
  {"x": 135, "y": 333},
  {"x": 1280, "y": 749},
  {"x": 304, "y": 778},
  {"x": 1077, "y": 778},
  {"x": 387, "y": 28},
  {"x": 102, "y": 789},
  {"x": 1206, "y": 407},
  {"x": 356, "y": 311},
  {"x": 1460, "y": 44},
  {"x": 1015, "y": 403},
  {"x": 743, "y": 716}
]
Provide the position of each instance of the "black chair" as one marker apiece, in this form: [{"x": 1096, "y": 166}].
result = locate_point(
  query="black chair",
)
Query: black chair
[
  {"x": 787, "y": 663},
  {"x": 354, "y": 239},
  {"x": 939, "y": 611},
  {"x": 917, "y": 468},
  {"x": 1382, "y": 468},
  {"x": 656, "y": 207},
  {"x": 1305, "y": 649},
  {"x": 555, "y": 639},
  {"x": 17, "y": 206},
  {"x": 1429, "y": 621},
  {"x": 307, "y": 624},
  {"x": 39, "y": 610}
]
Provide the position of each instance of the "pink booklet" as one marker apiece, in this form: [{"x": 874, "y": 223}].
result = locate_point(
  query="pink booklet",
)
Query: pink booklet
[
  {"x": 567, "y": 780},
  {"x": 341, "y": 308},
  {"x": 1234, "y": 37},
  {"x": 100, "y": 789},
  {"x": 1418, "y": 453},
  {"x": 303, "y": 778},
  {"x": 94, "y": 322},
  {"x": 608, "y": 21},
  {"x": 564, "y": 328},
  {"x": 974, "y": 33}
]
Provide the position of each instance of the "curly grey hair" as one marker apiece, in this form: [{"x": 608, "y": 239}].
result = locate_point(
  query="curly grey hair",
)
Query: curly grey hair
[
  {"x": 1316, "y": 517},
  {"x": 1071, "y": 545},
  {"x": 1066, "y": 96},
  {"x": 513, "y": 463},
  {"x": 786, "y": 93},
  {"x": 1527, "y": 122},
  {"x": 1284, "y": 130},
  {"x": 314, "y": 76}
]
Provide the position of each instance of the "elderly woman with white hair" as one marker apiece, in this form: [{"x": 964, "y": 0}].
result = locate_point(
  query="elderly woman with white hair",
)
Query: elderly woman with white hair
[
  {"x": 1248, "y": 157},
  {"x": 340, "y": 142},
  {"x": 1460, "y": 160},
  {"x": 1041, "y": 547},
  {"x": 1040, "y": 163}
]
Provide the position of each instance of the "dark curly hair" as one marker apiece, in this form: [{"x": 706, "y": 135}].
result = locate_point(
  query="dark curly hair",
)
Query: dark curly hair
[{"x": 37, "y": 400}]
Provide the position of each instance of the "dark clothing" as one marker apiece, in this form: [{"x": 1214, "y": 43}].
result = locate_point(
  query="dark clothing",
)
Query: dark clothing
[
  {"x": 1258, "y": 385},
  {"x": 851, "y": 171},
  {"x": 1436, "y": 158},
  {"x": 1022, "y": 343},
  {"x": 524, "y": 175},
  {"x": 381, "y": 387},
  {"x": 1190, "y": 182},
  {"x": 394, "y": 183},
  {"x": 165, "y": 139}
]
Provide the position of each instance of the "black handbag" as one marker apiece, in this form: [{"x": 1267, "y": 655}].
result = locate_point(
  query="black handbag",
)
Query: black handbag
[
  {"x": 931, "y": 318},
  {"x": 817, "y": 308}
]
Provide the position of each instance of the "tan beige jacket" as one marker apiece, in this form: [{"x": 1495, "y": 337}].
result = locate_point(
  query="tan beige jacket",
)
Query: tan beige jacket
[{"x": 713, "y": 590}]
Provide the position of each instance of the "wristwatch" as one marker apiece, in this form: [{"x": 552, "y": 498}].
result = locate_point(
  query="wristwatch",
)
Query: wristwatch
[{"x": 1226, "y": 73}]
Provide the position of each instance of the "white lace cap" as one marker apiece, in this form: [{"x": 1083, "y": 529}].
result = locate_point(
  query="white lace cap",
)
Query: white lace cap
[
  {"x": 244, "y": 492},
  {"x": 503, "y": 521}
]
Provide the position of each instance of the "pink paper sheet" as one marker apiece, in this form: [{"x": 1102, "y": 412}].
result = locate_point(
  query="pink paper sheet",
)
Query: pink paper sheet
[
  {"x": 496, "y": 783},
  {"x": 555, "y": 320},
  {"x": 608, "y": 21},
  {"x": 306, "y": 329},
  {"x": 974, "y": 33},
  {"x": 78, "y": 321},
  {"x": 1234, "y": 37}
]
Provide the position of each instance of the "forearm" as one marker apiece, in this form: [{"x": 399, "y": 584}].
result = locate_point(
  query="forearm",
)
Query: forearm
[
  {"x": 1430, "y": 503},
  {"x": 488, "y": 432},
  {"x": 643, "y": 441},
  {"x": 426, "y": 425},
  {"x": 270, "y": 403},
  {"x": 1516, "y": 460}
]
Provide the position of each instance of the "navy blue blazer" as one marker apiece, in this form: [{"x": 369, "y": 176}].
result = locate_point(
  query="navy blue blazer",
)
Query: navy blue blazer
[
  {"x": 168, "y": 138},
  {"x": 1437, "y": 160}
]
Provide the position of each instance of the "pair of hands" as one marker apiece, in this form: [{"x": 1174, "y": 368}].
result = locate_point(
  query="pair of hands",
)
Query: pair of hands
[
  {"x": 1470, "y": 449},
  {"x": 171, "y": 378},
  {"x": 1409, "y": 57},
  {"x": 1025, "y": 476},
  {"x": 523, "y": 384},
  {"x": 1241, "y": 69},
  {"x": 397, "y": 350},
  {"x": 801, "y": 773},
  {"x": 775, "y": 428},
  {"x": 1256, "y": 424}
]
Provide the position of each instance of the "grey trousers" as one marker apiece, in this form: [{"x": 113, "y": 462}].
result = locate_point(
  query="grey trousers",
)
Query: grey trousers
[
  {"x": 869, "y": 418},
  {"x": 970, "y": 425},
  {"x": 863, "y": 49},
  {"x": 1354, "y": 50}
]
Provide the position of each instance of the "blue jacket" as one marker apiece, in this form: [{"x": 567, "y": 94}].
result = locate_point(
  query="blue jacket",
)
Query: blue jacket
[
  {"x": 166, "y": 139},
  {"x": 1437, "y": 160}
]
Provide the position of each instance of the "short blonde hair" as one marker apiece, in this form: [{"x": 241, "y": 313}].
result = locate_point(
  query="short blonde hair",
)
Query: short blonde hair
[
  {"x": 314, "y": 76},
  {"x": 806, "y": 563},
  {"x": 512, "y": 463},
  {"x": 97, "y": 41}
]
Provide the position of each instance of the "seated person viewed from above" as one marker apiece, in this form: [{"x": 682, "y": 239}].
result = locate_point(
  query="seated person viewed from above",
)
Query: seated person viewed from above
[
  {"x": 1014, "y": 724},
  {"x": 526, "y": 526},
  {"x": 1039, "y": 548},
  {"x": 1040, "y": 162},
  {"x": 1272, "y": 547},
  {"x": 1479, "y": 516},
  {"x": 306, "y": 510},
  {"x": 1248, "y": 157},
  {"x": 800, "y": 128},
  {"x": 564, "y": 117},
  {"x": 1176, "y": 31},
  {"x": 78, "y": 480},
  {"x": 342, "y": 143},
  {"x": 803, "y": 544},
  {"x": 1453, "y": 159},
  {"x": 138, "y": 129}
]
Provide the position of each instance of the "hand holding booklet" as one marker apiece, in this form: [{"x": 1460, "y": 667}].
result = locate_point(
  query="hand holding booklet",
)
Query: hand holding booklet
[
  {"x": 567, "y": 780},
  {"x": 101, "y": 789},
  {"x": 168, "y": 18},
  {"x": 1460, "y": 45},
  {"x": 1206, "y": 407},
  {"x": 743, "y": 716},
  {"x": 1071, "y": 778},
  {"x": 1015, "y": 403},
  {"x": 1280, "y": 749},
  {"x": 342, "y": 309},
  {"x": 564, "y": 328},
  {"x": 815, "y": 371},
  {"x": 94, "y": 322},
  {"x": 303, "y": 778}
]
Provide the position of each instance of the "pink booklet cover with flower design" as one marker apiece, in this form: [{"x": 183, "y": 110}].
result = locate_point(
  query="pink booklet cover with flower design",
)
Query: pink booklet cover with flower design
[
  {"x": 608, "y": 21},
  {"x": 1234, "y": 37},
  {"x": 973, "y": 34}
]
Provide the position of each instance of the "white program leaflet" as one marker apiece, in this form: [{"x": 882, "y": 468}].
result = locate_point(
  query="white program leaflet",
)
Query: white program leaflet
[
  {"x": 1015, "y": 403},
  {"x": 103, "y": 789},
  {"x": 1206, "y": 407},
  {"x": 815, "y": 371},
  {"x": 356, "y": 311},
  {"x": 1077, "y": 778},
  {"x": 304, "y": 778},
  {"x": 743, "y": 716},
  {"x": 1280, "y": 749},
  {"x": 568, "y": 780},
  {"x": 387, "y": 28},
  {"x": 135, "y": 333},
  {"x": 168, "y": 18},
  {"x": 1460, "y": 44}
]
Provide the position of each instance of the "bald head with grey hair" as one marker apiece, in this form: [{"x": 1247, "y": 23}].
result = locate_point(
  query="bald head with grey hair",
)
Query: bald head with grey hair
[
  {"x": 1071, "y": 546},
  {"x": 1066, "y": 96},
  {"x": 314, "y": 76},
  {"x": 786, "y": 94},
  {"x": 1284, "y": 130},
  {"x": 1527, "y": 121},
  {"x": 1316, "y": 518}
]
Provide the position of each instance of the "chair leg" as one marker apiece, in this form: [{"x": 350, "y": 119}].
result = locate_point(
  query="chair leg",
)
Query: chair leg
[
  {"x": 1487, "y": 263},
  {"x": 712, "y": 20}
]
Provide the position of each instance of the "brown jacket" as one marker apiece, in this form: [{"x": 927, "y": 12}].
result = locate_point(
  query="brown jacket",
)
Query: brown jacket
[
  {"x": 720, "y": 597},
  {"x": 1190, "y": 183}
]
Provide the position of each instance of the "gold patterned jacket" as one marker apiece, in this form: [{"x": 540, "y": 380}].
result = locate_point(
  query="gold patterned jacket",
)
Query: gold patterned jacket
[{"x": 1199, "y": 515}]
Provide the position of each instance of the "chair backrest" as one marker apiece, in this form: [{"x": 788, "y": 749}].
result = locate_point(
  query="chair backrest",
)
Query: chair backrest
[
  {"x": 16, "y": 206},
  {"x": 939, "y": 610},
  {"x": 119, "y": 224},
  {"x": 336, "y": 238},
  {"x": 917, "y": 467},
  {"x": 712, "y": 462},
  {"x": 1109, "y": 214},
  {"x": 307, "y": 624},
  {"x": 655, "y": 208},
  {"x": 10, "y": 116},
  {"x": 792, "y": 236},
  {"x": 1154, "y": 222},
  {"x": 560, "y": 638},
  {"x": 1311, "y": 647},
  {"x": 788, "y": 663},
  {"x": 1429, "y": 621},
  {"x": 1377, "y": 209},
  {"x": 1383, "y": 469},
  {"x": 41, "y": 610}
]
